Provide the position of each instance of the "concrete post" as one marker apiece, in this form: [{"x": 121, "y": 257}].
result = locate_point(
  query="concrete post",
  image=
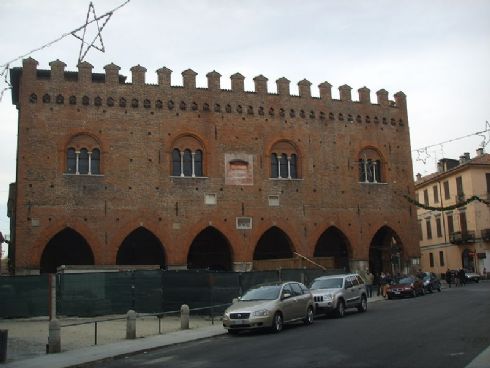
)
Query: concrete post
[
  {"x": 54, "y": 338},
  {"x": 52, "y": 296},
  {"x": 184, "y": 317},
  {"x": 131, "y": 325}
]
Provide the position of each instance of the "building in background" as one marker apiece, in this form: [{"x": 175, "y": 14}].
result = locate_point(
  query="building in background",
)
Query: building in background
[
  {"x": 459, "y": 235},
  {"x": 118, "y": 173}
]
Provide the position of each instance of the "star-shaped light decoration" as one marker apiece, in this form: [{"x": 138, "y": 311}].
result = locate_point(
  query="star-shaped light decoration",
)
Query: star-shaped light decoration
[{"x": 97, "y": 42}]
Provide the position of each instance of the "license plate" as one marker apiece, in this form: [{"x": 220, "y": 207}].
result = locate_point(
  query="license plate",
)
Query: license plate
[
  {"x": 397, "y": 292},
  {"x": 238, "y": 322}
]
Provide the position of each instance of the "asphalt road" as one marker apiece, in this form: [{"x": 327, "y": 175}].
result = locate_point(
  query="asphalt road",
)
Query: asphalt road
[{"x": 446, "y": 330}]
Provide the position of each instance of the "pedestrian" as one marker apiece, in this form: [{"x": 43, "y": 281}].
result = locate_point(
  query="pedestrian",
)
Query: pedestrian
[
  {"x": 376, "y": 283},
  {"x": 462, "y": 277},
  {"x": 449, "y": 277},
  {"x": 386, "y": 284},
  {"x": 457, "y": 280},
  {"x": 369, "y": 283},
  {"x": 382, "y": 283}
]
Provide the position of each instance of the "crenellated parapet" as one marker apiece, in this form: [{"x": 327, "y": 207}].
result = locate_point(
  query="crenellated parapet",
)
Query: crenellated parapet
[{"x": 252, "y": 103}]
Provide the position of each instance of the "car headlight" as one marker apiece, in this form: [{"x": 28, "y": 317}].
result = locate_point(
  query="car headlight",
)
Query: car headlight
[{"x": 261, "y": 313}]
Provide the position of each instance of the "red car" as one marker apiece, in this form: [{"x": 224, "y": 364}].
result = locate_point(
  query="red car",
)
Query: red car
[{"x": 406, "y": 286}]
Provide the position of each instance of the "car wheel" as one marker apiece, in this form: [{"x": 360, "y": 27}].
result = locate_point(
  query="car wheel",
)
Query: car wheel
[
  {"x": 277, "y": 322},
  {"x": 340, "y": 310},
  {"x": 309, "y": 316},
  {"x": 363, "y": 306}
]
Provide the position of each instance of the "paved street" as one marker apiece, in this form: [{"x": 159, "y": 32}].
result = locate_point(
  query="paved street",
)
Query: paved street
[{"x": 447, "y": 329}]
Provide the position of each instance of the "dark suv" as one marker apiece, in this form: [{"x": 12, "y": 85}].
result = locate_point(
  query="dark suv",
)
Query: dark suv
[{"x": 431, "y": 281}]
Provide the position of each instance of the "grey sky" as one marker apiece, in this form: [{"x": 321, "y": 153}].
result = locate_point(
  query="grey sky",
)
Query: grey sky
[{"x": 437, "y": 52}]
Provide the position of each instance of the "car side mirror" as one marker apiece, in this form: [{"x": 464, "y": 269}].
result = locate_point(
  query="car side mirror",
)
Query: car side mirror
[{"x": 286, "y": 295}]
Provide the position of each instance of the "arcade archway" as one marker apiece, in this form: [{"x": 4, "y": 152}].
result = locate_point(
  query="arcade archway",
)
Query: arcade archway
[
  {"x": 273, "y": 244},
  {"x": 333, "y": 243},
  {"x": 210, "y": 250},
  {"x": 141, "y": 247},
  {"x": 386, "y": 252},
  {"x": 67, "y": 247}
]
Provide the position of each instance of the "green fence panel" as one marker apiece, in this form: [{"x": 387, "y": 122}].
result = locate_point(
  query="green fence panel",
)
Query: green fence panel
[
  {"x": 148, "y": 294},
  {"x": 24, "y": 296},
  {"x": 120, "y": 292}
]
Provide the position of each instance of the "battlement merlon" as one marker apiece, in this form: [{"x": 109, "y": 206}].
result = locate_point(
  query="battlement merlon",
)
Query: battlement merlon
[{"x": 57, "y": 73}]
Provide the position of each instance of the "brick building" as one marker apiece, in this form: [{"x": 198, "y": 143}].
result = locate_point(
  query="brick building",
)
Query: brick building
[{"x": 111, "y": 172}]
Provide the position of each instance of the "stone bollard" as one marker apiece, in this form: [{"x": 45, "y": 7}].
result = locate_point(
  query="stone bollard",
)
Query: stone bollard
[
  {"x": 54, "y": 338},
  {"x": 131, "y": 325},
  {"x": 184, "y": 317},
  {"x": 4, "y": 334}
]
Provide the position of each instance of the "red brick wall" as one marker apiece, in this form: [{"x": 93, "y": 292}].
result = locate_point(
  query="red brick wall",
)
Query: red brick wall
[{"x": 136, "y": 188}]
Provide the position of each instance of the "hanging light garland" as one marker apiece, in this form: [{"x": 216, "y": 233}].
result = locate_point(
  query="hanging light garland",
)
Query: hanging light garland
[{"x": 447, "y": 208}]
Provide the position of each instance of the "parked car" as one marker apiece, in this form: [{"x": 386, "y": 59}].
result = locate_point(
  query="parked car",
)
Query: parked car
[
  {"x": 472, "y": 276},
  {"x": 336, "y": 293},
  {"x": 270, "y": 306},
  {"x": 406, "y": 286},
  {"x": 431, "y": 282}
]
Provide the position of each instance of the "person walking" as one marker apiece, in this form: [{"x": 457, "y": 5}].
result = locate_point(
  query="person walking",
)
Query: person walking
[
  {"x": 462, "y": 277},
  {"x": 449, "y": 278},
  {"x": 369, "y": 283}
]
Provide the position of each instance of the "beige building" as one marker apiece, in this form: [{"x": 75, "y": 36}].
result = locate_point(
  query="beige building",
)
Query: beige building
[{"x": 454, "y": 225}]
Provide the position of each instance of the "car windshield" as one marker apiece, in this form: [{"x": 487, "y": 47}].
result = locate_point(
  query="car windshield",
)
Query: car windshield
[
  {"x": 267, "y": 292},
  {"x": 405, "y": 280},
  {"x": 333, "y": 283}
]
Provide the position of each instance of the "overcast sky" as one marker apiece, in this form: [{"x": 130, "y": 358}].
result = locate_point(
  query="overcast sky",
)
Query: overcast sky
[{"x": 437, "y": 52}]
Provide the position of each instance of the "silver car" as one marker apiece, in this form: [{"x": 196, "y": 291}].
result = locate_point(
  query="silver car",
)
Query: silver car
[
  {"x": 336, "y": 293},
  {"x": 270, "y": 306}
]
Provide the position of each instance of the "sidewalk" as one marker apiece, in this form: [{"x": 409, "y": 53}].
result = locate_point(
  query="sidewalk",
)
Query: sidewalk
[
  {"x": 27, "y": 338},
  {"x": 79, "y": 357}
]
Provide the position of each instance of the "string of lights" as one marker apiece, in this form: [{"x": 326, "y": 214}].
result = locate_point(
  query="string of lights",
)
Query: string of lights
[
  {"x": 5, "y": 67},
  {"x": 424, "y": 151}
]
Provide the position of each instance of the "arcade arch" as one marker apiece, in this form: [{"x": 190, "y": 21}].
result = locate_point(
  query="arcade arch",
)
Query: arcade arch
[
  {"x": 67, "y": 247},
  {"x": 210, "y": 250},
  {"x": 141, "y": 247},
  {"x": 333, "y": 243}
]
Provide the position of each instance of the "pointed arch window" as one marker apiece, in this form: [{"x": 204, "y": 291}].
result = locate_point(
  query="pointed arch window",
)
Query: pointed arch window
[
  {"x": 274, "y": 166},
  {"x": 370, "y": 167},
  {"x": 83, "y": 156},
  {"x": 284, "y": 161},
  {"x": 176, "y": 164},
  {"x": 187, "y": 163},
  {"x": 83, "y": 166},
  {"x": 293, "y": 170},
  {"x": 198, "y": 163},
  {"x": 283, "y": 166},
  {"x": 95, "y": 161},
  {"x": 71, "y": 161}
]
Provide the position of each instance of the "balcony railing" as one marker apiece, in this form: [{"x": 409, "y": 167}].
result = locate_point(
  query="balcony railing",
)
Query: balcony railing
[
  {"x": 485, "y": 235},
  {"x": 460, "y": 237},
  {"x": 460, "y": 197}
]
